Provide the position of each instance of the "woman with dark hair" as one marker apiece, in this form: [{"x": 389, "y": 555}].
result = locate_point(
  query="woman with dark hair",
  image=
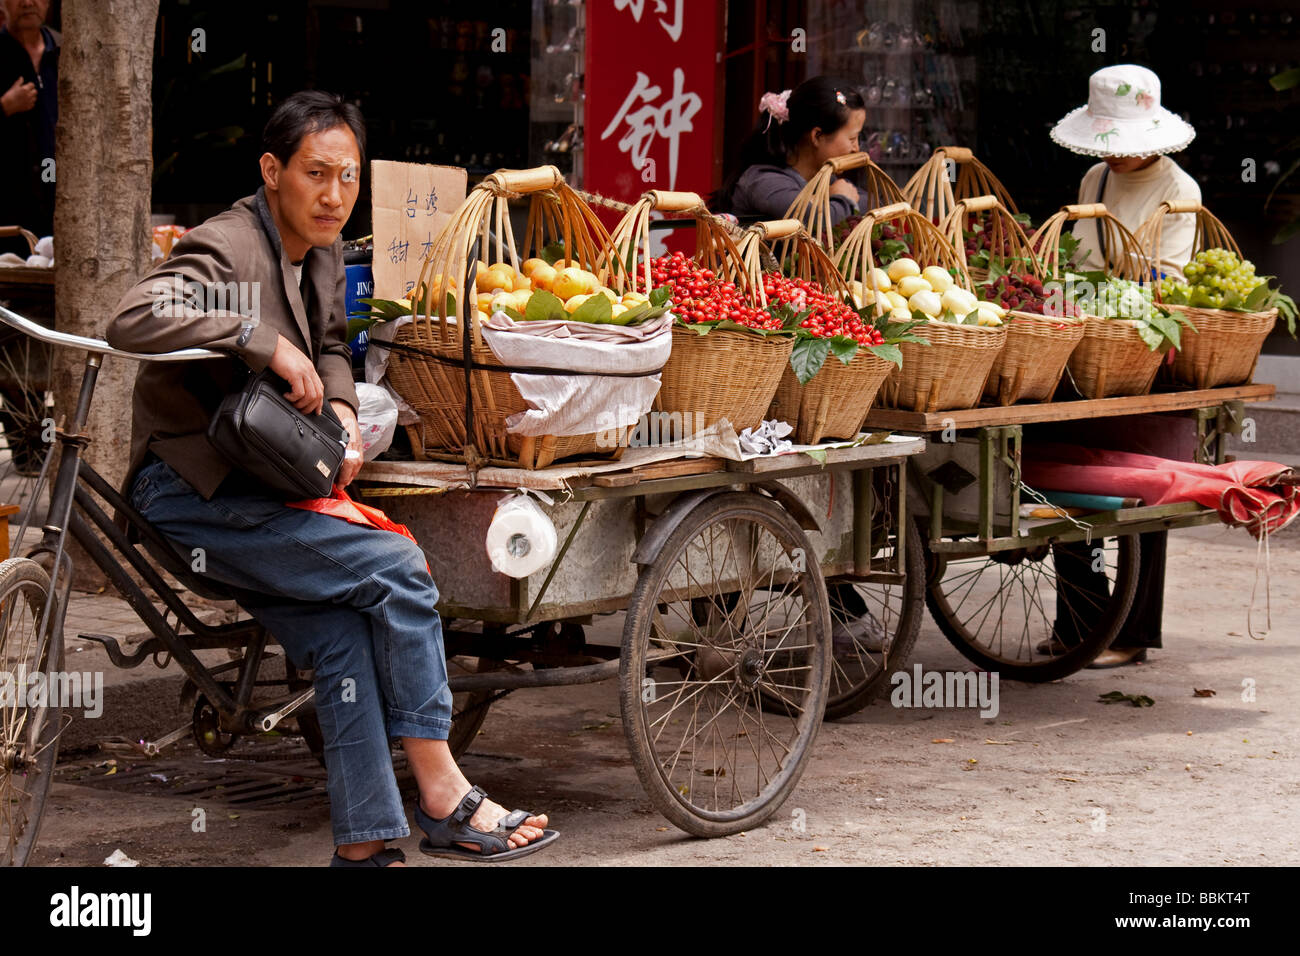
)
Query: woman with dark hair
[{"x": 818, "y": 120}]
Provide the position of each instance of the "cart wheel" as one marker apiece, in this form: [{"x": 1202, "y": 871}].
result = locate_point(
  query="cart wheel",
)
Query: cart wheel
[
  {"x": 29, "y": 728},
  {"x": 873, "y": 628},
  {"x": 712, "y": 761},
  {"x": 1035, "y": 614},
  {"x": 468, "y": 708}
]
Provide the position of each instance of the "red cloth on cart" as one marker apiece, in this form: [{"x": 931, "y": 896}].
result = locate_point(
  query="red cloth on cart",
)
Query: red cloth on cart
[
  {"x": 340, "y": 505},
  {"x": 1257, "y": 495}
]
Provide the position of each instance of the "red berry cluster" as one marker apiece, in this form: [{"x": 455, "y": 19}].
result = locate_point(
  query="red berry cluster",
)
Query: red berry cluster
[
  {"x": 700, "y": 296},
  {"x": 979, "y": 237},
  {"x": 1023, "y": 293},
  {"x": 829, "y": 318}
]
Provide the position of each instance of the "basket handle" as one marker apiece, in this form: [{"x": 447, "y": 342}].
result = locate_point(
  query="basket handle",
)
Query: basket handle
[
  {"x": 778, "y": 228},
  {"x": 1174, "y": 206},
  {"x": 20, "y": 231},
  {"x": 979, "y": 203},
  {"x": 1092, "y": 210},
  {"x": 666, "y": 201},
  {"x": 892, "y": 211},
  {"x": 527, "y": 180},
  {"x": 958, "y": 154},
  {"x": 839, "y": 164}
]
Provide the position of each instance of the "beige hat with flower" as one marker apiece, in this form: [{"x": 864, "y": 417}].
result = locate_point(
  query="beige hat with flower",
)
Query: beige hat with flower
[{"x": 1123, "y": 117}]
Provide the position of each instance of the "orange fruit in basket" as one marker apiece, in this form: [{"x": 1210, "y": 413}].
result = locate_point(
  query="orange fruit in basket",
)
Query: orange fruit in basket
[
  {"x": 570, "y": 282},
  {"x": 499, "y": 276},
  {"x": 528, "y": 265},
  {"x": 543, "y": 276}
]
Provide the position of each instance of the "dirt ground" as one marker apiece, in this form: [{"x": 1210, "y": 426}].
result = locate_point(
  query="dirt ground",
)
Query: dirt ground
[{"x": 1057, "y": 778}]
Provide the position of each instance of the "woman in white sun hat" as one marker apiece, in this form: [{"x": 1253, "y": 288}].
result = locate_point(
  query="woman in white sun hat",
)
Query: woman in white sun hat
[{"x": 1126, "y": 126}]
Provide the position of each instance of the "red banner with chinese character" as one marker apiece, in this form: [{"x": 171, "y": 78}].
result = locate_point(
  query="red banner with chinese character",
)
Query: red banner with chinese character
[{"x": 651, "y": 89}]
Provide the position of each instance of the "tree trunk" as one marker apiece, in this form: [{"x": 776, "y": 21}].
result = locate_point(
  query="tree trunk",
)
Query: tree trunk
[{"x": 103, "y": 167}]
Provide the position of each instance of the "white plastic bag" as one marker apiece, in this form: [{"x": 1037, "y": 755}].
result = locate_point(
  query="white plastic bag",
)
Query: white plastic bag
[{"x": 376, "y": 419}]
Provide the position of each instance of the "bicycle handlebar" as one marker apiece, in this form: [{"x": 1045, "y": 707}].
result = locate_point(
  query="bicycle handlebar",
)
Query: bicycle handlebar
[{"x": 85, "y": 343}]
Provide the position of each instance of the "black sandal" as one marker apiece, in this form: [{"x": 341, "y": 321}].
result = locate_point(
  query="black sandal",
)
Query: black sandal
[
  {"x": 442, "y": 836},
  {"x": 385, "y": 857}
]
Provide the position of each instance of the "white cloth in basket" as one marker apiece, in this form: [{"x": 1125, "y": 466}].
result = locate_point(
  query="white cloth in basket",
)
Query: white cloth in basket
[{"x": 581, "y": 404}]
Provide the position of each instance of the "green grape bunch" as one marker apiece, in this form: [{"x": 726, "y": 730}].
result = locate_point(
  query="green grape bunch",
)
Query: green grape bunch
[{"x": 1216, "y": 279}]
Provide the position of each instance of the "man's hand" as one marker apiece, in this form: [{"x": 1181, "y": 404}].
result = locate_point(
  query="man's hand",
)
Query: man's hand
[
  {"x": 20, "y": 97},
  {"x": 306, "y": 392},
  {"x": 842, "y": 187},
  {"x": 348, "y": 470}
]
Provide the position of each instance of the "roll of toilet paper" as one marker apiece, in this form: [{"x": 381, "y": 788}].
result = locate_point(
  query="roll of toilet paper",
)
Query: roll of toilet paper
[{"x": 521, "y": 538}]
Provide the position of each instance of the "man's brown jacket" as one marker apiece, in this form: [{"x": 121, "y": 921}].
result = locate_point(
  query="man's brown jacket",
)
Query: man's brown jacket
[{"x": 230, "y": 264}]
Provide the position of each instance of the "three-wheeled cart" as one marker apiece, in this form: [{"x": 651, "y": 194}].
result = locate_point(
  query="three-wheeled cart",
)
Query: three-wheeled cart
[{"x": 758, "y": 596}]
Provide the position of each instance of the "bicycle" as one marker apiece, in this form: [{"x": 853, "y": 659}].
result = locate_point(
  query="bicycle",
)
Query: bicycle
[{"x": 34, "y": 590}]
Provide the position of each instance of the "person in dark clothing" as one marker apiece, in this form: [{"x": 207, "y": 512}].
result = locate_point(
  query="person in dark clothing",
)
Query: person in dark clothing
[
  {"x": 29, "y": 112},
  {"x": 818, "y": 120}
]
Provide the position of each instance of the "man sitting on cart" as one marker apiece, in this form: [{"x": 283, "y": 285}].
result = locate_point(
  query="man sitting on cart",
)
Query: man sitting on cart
[{"x": 354, "y": 604}]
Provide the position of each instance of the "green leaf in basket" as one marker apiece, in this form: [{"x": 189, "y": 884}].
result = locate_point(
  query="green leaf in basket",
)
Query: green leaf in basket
[
  {"x": 512, "y": 312},
  {"x": 844, "y": 348},
  {"x": 553, "y": 252},
  {"x": 545, "y": 306},
  {"x": 1152, "y": 336},
  {"x": 358, "y": 325},
  {"x": 1232, "y": 301},
  {"x": 890, "y": 250},
  {"x": 1166, "y": 327},
  {"x": 387, "y": 308},
  {"x": 661, "y": 296},
  {"x": 971, "y": 318},
  {"x": 1258, "y": 296},
  {"x": 598, "y": 309},
  {"x": 888, "y": 352},
  {"x": 808, "y": 357},
  {"x": 700, "y": 328},
  {"x": 640, "y": 313}
]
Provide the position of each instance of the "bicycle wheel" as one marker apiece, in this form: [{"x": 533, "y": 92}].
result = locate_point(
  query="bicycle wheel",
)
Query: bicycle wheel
[
  {"x": 29, "y": 720},
  {"x": 1035, "y": 614},
  {"x": 873, "y": 628},
  {"x": 711, "y": 757}
]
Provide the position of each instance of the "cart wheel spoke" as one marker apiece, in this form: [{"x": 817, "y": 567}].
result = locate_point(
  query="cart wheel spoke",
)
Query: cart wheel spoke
[
  {"x": 1036, "y": 613},
  {"x": 743, "y": 627}
]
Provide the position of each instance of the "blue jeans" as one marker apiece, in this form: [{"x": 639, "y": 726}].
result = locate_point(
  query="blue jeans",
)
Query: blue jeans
[{"x": 358, "y": 609}]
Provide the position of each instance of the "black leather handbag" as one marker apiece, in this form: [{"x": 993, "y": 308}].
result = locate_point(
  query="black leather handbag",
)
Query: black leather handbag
[{"x": 293, "y": 454}]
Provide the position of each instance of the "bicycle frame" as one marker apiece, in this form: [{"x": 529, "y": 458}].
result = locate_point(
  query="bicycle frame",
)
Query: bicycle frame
[{"x": 74, "y": 482}]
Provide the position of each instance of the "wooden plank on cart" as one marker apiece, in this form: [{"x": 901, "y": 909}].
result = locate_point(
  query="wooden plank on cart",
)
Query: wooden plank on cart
[
  {"x": 662, "y": 469},
  {"x": 892, "y": 446},
  {"x": 901, "y": 420}
]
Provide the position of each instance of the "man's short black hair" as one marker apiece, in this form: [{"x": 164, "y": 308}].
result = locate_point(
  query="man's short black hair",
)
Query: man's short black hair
[{"x": 307, "y": 112}]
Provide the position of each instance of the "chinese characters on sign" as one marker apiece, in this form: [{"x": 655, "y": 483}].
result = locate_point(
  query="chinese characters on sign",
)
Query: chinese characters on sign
[
  {"x": 669, "y": 120},
  {"x": 411, "y": 203},
  {"x": 650, "y": 111}
]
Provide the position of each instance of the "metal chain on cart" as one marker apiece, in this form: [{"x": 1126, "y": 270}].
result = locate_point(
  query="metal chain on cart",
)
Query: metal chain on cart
[
  {"x": 1082, "y": 526},
  {"x": 887, "y": 514}
]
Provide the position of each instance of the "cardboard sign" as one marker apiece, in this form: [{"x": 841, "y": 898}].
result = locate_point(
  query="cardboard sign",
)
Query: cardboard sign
[{"x": 411, "y": 203}]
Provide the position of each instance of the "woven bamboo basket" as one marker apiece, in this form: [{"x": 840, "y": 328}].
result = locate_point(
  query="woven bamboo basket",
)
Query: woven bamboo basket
[
  {"x": 1225, "y": 346},
  {"x": 725, "y": 373},
  {"x": 1032, "y": 362},
  {"x": 812, "y": 206},
  {"x": 1111, "y": 358},
  {"x": 463, "y": 407},
  {"x": 837, "y": 399},
  {"x": 933, "y": 193},
  {"x": 950, "y": 371}
]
